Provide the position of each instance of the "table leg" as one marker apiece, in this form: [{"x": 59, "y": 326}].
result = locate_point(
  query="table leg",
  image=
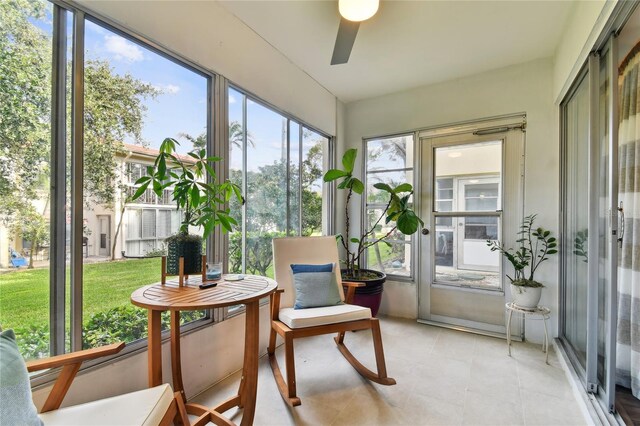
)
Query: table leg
[
  {"x": 176, "y": 364},
  {"x": 249, "y": 383},
  {"x": 154, "y": 348},
  {"x": 509, "y": 331}
]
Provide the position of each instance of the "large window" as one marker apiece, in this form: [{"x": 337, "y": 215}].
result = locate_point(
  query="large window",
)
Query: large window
[
  {"x": 78, "y": 128},
  {"x": 26, "y": 43},
  {"x": 390, "y": 161},
  {"x": 66, "y": 230},
  {"x": 279, "y": 164}
]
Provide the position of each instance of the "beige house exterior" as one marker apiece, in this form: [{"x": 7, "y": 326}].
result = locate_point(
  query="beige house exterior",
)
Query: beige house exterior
[{"x": 144, "y": 224}]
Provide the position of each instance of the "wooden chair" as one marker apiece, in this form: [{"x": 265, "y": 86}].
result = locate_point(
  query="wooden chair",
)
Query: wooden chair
[
  {"x": 292, "y": 323},
  {"x": 154, "y": 406}
]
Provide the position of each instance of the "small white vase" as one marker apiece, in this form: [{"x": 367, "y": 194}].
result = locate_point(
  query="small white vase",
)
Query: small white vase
[{"x": 526, "y": 297}]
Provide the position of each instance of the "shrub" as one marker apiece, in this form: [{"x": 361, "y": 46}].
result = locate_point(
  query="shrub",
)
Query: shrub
[
  {"x": 121, "y": 324},
  {"x": 259, "y": 251}
]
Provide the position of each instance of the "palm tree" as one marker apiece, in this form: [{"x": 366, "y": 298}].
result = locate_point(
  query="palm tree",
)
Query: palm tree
[{"x": 236, "y": 134}]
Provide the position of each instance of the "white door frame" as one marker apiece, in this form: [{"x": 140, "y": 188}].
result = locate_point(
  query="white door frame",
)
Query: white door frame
[{"x": 510, "y": 129}]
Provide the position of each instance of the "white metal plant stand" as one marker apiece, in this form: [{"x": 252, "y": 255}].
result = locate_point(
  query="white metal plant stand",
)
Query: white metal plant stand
[{"x": 540, "y": 312}]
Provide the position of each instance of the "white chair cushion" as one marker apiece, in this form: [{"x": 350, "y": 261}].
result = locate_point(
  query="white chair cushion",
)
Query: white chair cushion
[
  {"x": 310, "y": 317},
  {"x": 145, "y": 407}
]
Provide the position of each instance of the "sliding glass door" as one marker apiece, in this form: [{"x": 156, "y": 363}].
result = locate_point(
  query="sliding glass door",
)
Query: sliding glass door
[{"x": 589, "y": 225}]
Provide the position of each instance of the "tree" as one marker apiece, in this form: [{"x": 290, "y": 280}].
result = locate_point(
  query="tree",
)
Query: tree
[
  {"x": 26, "y": 104},
  {"x": 236, "y": 135},
  {"x": 113, "y": 110},
  {"x": 33, "y": 227},
  {"x": 266, "y": 207}
]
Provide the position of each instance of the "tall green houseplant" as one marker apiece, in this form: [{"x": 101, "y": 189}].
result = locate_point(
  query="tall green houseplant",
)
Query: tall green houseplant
[
  {"x": 201, "y": 200},
  {"x": 398, "y": 214}
]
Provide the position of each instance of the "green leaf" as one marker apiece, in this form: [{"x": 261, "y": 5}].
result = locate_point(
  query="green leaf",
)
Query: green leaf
[
  {"x": 552, "y": 251},
  {"x": 345, "y": 183},
  {"x": 383, "y": 186},
  {"x": 195, "y": 196},
  {"x": 407, "y": 222},
  {"x": 334, "y": 174},
  {"x": 403, "y": 187},
  {"x": 140, "y": 191},
  {"x": 349, "y": 159},
  {"x": 357, "y": 186},
  {"x": 142, "y": 180},
  {"x": 157, "y": 188},
  {"x": 354, "y": 240},
  {"x": 224, "y": 221}
]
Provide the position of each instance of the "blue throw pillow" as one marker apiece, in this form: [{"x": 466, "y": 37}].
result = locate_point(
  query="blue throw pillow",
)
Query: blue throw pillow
[
  {"x": 315, "y": 286},
  {"x": 15, "y": 390}
]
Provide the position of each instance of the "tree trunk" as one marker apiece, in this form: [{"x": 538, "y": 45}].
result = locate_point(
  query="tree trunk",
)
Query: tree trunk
[
  {"x": 115, "y": 237},
  {"x": 33, "y": 244}
]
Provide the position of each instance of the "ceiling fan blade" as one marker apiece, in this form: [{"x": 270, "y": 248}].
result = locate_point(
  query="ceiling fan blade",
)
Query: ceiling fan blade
[{"x": 344, "y": 41}]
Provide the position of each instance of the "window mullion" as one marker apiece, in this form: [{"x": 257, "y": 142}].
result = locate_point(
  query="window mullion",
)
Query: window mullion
[
  {"x": 301, "y": 174},
  {"x": 245, "y": 185},
  {"x": 287, "y": 180},
  {"x": 58, "y": 184},
  {"x": 77, "y": 155}
]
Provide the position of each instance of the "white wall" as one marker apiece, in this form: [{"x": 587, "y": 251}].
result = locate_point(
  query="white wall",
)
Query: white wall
[
  {"x": 583, "y": 27},
  {"x": 207, "y": 34},
  {"x": 522, "y": 88}
]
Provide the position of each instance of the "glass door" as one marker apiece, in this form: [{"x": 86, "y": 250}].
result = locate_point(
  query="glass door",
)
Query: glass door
[
  {"x": 472, "y": 194},
  {"x": 574, "y": 255},
  {"x": 589, "y": 225}
]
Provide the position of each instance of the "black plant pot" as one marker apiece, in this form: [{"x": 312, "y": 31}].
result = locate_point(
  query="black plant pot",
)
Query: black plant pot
[
  {"x": 190, "y": 250},
  {"x": 370, "y": 295}
]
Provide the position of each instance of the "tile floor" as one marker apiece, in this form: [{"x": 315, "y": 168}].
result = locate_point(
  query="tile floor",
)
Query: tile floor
[{"x": 444, "y": 377}]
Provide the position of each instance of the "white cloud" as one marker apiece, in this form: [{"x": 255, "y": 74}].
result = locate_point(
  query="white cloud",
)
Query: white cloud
[
  {"x": 171, "y": 89},
  {"x": 122, "y": 49},
  {"x": 167, "y": 89},
  {"x": 232, "y": 99}
]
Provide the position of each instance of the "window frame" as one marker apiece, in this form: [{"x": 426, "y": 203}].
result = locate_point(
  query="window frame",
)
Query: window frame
[
  {"x": 217, "y": 139},
  {"x": 328, "y": 162},
  {"x": 365, "y": 206}
]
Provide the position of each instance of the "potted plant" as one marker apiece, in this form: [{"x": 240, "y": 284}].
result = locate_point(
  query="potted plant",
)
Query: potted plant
[
  {"x": 536, "y": 244},
  {"x": 200, "y": 200},
  {"x": 396, "y": 217}
]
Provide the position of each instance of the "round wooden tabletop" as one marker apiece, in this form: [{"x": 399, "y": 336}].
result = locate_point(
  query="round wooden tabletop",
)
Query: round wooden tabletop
[{"x": 172, "y": 297}]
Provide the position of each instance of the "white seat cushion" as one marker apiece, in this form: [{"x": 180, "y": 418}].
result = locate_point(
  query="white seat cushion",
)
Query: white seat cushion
[
  {"x": 145, "y": 407},
  {"x": 310, "y": 317}
]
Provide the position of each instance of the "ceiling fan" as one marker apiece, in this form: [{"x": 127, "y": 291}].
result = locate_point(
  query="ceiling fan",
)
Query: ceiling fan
[{"x": 352, "y": 13}]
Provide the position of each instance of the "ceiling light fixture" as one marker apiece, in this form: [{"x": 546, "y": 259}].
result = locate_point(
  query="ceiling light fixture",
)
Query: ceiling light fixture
[
  {"x": 358, "y": 10},
  {"x": 455, "y": 154}
]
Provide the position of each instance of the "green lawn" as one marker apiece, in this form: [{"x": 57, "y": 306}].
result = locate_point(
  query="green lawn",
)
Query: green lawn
[{"x": 24, "y": 294}]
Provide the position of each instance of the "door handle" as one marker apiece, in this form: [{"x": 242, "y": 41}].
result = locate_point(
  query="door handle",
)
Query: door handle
[
  {"x": 621, "y": 224},
  {"x": 425, "y": 231}
]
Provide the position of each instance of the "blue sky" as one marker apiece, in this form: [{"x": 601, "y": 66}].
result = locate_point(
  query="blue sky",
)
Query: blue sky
[{"x": 182, "y": 106}]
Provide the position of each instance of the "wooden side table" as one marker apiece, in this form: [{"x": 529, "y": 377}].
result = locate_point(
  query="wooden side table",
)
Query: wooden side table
[
  {"x": 539, "y": 312},
  {"x": 158, "y": 297}
]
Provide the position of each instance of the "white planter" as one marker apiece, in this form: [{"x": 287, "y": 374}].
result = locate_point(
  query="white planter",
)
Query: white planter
[{"x": 526, "y": 297}]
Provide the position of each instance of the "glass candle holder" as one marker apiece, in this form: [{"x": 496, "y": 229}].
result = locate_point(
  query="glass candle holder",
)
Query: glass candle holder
[{"x": 214, "y": 270}]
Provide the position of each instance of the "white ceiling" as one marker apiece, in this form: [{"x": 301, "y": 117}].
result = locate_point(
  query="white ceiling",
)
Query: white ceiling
[{"x": 407, "y": 43}]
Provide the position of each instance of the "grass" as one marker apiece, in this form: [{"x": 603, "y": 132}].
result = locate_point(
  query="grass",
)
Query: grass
[{"x": 24, "y": 295}]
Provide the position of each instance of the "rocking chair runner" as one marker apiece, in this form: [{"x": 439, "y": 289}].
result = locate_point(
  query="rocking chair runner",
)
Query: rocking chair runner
[{"x": 292, "y": 323}]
